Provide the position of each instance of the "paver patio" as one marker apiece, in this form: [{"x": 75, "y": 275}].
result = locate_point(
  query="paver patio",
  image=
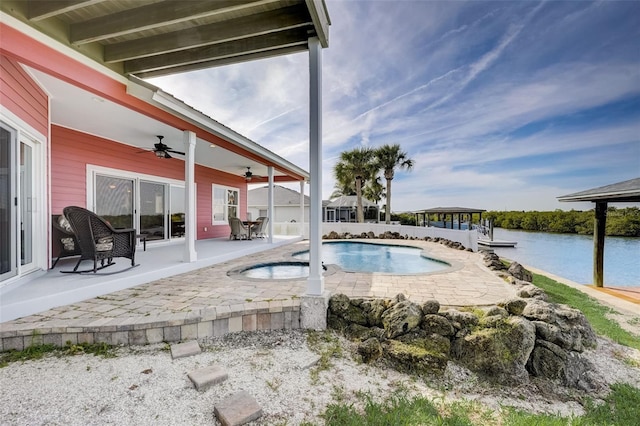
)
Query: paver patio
[{"x": 208, "y": 302}]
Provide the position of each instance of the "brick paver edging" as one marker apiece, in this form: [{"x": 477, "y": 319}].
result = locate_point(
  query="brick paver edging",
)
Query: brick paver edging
[{"x": 214, "y": 322}]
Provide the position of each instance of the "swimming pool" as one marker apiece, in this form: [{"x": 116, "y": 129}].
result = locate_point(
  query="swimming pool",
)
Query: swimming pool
[{"x": 355, "y": 256}]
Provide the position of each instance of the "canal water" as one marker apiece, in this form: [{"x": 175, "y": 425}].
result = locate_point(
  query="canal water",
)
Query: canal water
[{"x": 571, "y": 256}]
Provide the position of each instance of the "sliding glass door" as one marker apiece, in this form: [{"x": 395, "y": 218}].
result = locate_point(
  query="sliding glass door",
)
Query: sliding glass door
[
  {"x": 114, "y": 198},
  {"x": 18, "y": 221},
  {"x": 152, "y": 210},
  {"x": 7, "y": 205},
  {"x": 153, "y": 207}
]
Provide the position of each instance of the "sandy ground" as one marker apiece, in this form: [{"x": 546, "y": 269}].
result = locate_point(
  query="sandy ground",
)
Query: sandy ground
[{"x": 144, "y": 386}]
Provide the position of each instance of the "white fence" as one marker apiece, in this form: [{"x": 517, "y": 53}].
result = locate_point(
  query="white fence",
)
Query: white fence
[{"x": 468, "y": 238}]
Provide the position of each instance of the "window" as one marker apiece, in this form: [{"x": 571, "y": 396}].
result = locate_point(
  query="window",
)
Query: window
[{"x": 226, "y": 203}]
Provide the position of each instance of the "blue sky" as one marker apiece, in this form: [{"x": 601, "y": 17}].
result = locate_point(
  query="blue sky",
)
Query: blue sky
[{"x": 502, "y": 105}]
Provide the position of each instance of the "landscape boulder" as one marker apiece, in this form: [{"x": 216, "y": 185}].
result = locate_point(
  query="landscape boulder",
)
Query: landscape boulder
[
  {"x": 518, "y": 271},
  {"x": 370, "y": 350},
  {"x": 503, "y": 343},
  {"x": 499, "y": 353},
  {"x": 414, "y": 359},
  {"x": 401, "y": 318}
]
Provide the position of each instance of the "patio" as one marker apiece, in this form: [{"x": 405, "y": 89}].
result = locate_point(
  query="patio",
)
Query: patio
[
  {"x": 53, "y": 288},
  {"x": 205, "y": 302}
]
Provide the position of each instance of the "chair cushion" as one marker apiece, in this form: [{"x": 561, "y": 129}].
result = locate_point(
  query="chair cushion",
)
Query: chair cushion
[
  {"x": 68, "y": 243},
  {"x": 104, "y": 244},
  {"x": 64, "y": 224}
]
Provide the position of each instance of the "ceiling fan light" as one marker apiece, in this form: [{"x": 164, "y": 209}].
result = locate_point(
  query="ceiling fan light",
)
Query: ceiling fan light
[{"x": 160, "y": 154}]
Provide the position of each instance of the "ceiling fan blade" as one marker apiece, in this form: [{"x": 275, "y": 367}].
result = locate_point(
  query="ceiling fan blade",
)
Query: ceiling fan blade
[
  {"x": 166, "y": 155},
  {"x": 174, "y": 151}
]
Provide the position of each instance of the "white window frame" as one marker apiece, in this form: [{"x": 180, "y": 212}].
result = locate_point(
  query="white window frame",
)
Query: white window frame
[
  {"x": 225, "y": 204},
  {"x": 93, "y": 170},
  {"x": 25, "y": 133}
]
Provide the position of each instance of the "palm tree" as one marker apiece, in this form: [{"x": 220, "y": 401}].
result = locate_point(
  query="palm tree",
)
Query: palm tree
[
  {"x": 388, "y": 158},
  {"x": 374, "y": 191},
  {"x": 356, "y": 166}
]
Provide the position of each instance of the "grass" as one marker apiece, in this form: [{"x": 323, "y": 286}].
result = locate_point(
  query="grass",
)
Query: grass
[
  {"x": 34, "y": 352},
  {"x": 327, "y": 345},
  {"x": 621, "y": 407},
  {"x": 594, "y": 311}
]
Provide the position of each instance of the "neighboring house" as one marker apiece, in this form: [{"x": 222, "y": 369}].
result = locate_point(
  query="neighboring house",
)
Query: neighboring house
[
  {"x": 79, "y": 128},
  {"x": 286, "y": 204},
  {"x": 343, "y": 209}
]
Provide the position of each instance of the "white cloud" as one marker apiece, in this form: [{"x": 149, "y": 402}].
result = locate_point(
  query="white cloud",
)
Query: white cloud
[{"x": 461, "y": 86}]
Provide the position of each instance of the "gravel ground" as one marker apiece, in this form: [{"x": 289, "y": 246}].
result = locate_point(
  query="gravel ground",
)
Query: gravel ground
[{"x": 144, "y": 386}]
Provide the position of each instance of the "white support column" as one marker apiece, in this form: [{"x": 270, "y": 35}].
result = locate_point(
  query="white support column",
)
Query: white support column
[
  {"x": 302, "y": 208},
  {"x": 189, "y": 255},
  {"x": 270, "y": 209},
  {"x": 315, "y": 282}
]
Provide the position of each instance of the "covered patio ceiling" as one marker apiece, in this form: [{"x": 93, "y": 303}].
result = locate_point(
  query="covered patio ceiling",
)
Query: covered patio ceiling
[{"x": 148, "y": 38}]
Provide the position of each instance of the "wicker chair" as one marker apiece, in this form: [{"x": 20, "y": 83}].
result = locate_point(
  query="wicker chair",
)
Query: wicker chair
[
  {"x": 98, "y": 241},
  {"x": 259, "y": 230},
  {"x": 238, "y": 229},
  {"x": 64, "y": 240}
]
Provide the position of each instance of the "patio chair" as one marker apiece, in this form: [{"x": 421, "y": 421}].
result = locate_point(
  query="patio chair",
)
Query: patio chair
[
  {"x": 238, "y": 230},
  {"x": 98, "y": 240},
  {"x": 64, "y": 240},
  {"x": 259, "y": 230}
]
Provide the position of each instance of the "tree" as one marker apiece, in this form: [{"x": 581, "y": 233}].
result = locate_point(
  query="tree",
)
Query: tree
[
  {"x": 388, "y": 159},
  {"x": 374, "y": 191},
  {"x": 356, "y": 166}
]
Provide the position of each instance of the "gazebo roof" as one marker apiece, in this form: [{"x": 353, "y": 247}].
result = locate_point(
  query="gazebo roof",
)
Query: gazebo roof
[
  {"x": 450, "y": 210},
  {"x": 625, "y": 192}
]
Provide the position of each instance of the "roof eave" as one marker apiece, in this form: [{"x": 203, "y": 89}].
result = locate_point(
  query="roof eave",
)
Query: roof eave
[{"x": 153, "y": 94}]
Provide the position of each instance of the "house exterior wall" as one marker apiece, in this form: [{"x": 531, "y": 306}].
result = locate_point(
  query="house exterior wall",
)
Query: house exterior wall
[
  {"x": 21, "y": 95},
  {"x": 205, "y": 178},
  {"x": 72, "y": 151}
]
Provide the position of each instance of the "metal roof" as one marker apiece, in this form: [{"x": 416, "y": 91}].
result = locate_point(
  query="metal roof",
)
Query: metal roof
[
  {"x": 450, "y": 210},
  {"x": 625, "y": 192},
  {"x": 149, "y": 38},
  {"x": 349, "y": 201},
  {"x": 281, "y": 197}
]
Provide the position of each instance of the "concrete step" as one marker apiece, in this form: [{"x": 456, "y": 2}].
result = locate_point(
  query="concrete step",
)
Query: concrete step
[
  {"x": 181, "y": 350},
  {"x": 204, "y": 378},
  {"x": 237, "y": 409}
]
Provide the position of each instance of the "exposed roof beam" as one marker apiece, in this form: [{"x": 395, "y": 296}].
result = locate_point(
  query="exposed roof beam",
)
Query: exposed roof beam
[
  {"x": 153, "y": 16},
  {"x": 236, "y": 49},
  {"x": 39, "y": 10},
  {"x": 221, "y": 62},
  {"x": 253, "y": 25},
  {"x": 320, "y": 18}
]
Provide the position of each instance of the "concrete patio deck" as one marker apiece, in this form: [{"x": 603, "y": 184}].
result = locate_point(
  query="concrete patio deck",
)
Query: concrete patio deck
[{"x": 207, "y": 302}]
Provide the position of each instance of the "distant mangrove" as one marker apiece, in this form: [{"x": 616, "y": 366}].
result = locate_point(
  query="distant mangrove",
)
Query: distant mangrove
[{"x": 620, "y": 222}]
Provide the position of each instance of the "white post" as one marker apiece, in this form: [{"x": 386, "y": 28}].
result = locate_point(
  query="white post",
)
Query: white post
[
  {"x": 270, "y": 209},
  {"x": 189, "y": 255},
  {"x": 314, "y": 304},
  {"x": 302, "y": 208},
  {"x": 315, "y": 283}
]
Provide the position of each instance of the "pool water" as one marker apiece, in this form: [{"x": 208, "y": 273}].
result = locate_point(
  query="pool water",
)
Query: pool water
[
  {"x": 367, "y": 257},
  {"x": 278, "y": 271}
]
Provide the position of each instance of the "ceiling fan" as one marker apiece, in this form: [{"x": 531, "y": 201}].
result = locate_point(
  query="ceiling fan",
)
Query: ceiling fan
[
  {"x": 161, "y": 150},
  {"x": 248, "y": 175}
]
